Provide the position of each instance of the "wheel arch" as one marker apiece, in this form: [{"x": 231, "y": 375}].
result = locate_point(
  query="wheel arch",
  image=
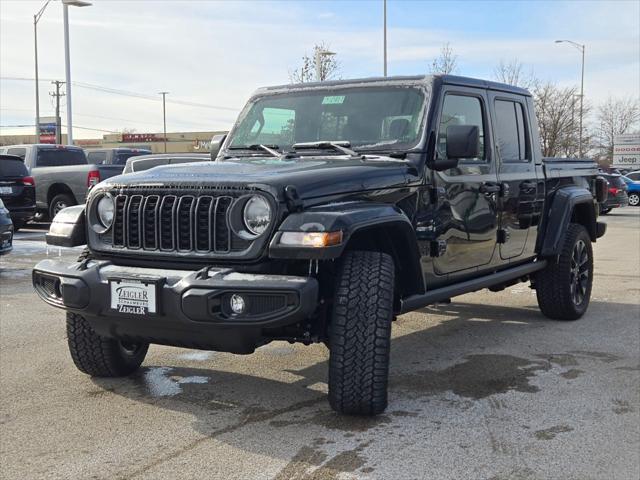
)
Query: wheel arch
[
  {"x": 57, "y": 189},
  {"x": 364, "y": 226},
  {"x": 568, "y": 205}
]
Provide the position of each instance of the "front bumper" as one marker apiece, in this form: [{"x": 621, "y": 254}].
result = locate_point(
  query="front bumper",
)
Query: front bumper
[
  {"x": 6, "y": 239},
  {"x": 192, "y": 307}
]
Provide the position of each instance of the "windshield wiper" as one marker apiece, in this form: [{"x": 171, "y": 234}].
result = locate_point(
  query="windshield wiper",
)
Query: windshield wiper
[
  {"x": 340, "y": 146},
  {"x": 270, "y": 149}
]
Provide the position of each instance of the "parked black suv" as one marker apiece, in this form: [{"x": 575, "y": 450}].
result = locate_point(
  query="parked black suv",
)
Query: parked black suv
[
  {"x": 17, "y": 190},
  {"x": 617, "y": 193},
  {"x": 331, "y": 208}
]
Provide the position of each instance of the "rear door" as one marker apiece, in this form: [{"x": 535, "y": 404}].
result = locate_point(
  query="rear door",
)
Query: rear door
[
  {"x": 516, "y": 172},
  {"x": 466, "y": 216}
]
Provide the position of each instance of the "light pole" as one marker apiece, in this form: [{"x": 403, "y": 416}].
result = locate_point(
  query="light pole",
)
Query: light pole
[
  {"x": 385, "y": 37},
  {"x": 318, "y": 61},
  {"x": 36, "y": 19},
  {"x": 580, "y": 47},
  {"x": 164, "y": 118},
  {"x": 67, "y": 61}
]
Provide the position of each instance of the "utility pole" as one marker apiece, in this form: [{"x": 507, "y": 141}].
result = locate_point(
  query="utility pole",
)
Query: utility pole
[
  {"x": 164, "y": 118},
  {"x": 57, "y": 96},
  {"x": 581, "y": 47},
  {"x": 385, "y": 37}
]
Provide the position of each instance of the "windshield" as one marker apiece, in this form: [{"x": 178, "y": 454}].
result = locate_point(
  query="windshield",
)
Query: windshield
[{"x": 377, "y": 118}]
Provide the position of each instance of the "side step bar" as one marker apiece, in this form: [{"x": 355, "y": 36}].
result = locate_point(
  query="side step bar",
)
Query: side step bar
[{"x": 415, "y": 302}]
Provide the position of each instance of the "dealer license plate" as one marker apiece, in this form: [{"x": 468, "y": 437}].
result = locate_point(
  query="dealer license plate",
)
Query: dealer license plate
[
  {"x": 6, "y": 190},
  {"x": 133, "y": 296}
]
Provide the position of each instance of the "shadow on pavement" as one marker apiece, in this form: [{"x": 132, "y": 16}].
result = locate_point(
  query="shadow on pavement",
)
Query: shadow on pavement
[{"x": 425, "y": 364}]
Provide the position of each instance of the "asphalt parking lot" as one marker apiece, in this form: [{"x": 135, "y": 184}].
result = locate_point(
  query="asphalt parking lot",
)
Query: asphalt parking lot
[{"x": 483, "y": 388}]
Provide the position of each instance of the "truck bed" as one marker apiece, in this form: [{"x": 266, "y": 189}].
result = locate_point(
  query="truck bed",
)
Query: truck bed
[{"x": 555, "y": 167}]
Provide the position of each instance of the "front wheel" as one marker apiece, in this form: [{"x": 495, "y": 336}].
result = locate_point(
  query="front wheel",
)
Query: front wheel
[
  {"x": 360, "y": 334},
  {"x": 563, "y": 288},
  {"x": 100, "y": 356},
  {"x": 634, "y": 199}
]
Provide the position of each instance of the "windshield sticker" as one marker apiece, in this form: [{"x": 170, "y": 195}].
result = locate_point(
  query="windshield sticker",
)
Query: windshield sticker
[{"x": 334, "y": 100}]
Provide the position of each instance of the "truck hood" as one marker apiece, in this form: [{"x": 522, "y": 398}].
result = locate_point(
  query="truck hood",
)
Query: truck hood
[{"x": 312, "y": 176}]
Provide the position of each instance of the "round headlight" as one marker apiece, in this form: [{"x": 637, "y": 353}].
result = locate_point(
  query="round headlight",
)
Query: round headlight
[
  {"x": 257, "y": 215},
  {"x": 105, "y": 210}
]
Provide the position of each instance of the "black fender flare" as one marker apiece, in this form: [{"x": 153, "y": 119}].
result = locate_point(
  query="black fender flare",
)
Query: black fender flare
[
  {"x": 68, "y": 228},
  {"x": 354, "y": 219},
  {"x": 568, "y": 204}
]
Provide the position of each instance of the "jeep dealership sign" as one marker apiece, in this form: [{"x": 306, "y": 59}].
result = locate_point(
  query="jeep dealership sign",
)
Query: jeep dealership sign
[{"x": 626, "y": 151}]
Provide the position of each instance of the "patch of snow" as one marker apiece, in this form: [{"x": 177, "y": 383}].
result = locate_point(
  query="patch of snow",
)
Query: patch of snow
[
  {"x": 160, "y": 384},
  {"x": 196, "y": 356}
]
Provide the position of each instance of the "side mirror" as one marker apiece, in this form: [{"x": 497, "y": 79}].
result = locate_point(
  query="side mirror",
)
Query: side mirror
[
  {"x": 216, "y": 143},
  {"x": 463, "y": 141}
]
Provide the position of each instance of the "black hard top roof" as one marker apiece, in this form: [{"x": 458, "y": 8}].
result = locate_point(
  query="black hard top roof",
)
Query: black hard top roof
[{"x": 408, "y": 80}]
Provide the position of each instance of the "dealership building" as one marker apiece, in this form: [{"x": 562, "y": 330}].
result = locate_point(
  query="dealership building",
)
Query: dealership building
[{"x": 177, "y": 142}]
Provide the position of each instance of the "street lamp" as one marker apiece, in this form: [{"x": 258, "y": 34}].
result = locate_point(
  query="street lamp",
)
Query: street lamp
[
  {"x": 36, "y": 19},
  {"x": 164, "y": 118},
  {"x": 67, "y": 61},
  {"x": 581, "y": 48},
  {"x": 385, "y": 37},
  {"x": 318, "y": 61}
]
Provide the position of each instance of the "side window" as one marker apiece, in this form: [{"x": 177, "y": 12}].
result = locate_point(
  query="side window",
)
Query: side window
[
  {"x": 461, "y": 110},
  {"x": 96, "y": 157},
  {"x": 511, "y": 135},
  {"x": 18, "y": 152}
]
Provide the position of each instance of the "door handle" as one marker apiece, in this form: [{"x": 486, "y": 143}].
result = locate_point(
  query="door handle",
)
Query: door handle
[{"x": 489, "y": 188}]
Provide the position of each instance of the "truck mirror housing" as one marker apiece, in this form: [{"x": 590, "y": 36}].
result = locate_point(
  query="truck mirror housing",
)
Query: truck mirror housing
[
  {"x": 216, "y": 143},
  {"x": 463, "y": 141}
]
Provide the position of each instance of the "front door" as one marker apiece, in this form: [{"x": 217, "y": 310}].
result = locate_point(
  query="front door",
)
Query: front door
[
  {"x": 466, "y": 216},
  {"x": 516, "y": 172}
]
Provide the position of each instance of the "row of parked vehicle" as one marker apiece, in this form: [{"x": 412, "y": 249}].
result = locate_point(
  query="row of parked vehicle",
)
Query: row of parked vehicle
[
  {"x": 623, "y": 190},
  {"x": 37, "y": 181}
]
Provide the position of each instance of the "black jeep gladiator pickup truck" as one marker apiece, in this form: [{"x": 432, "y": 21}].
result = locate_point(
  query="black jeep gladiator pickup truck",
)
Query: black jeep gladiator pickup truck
[{"x": 330, "y": 209}]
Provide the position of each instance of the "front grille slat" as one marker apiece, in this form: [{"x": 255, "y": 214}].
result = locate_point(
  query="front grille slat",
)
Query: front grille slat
[{"x": 175, "y": 223}]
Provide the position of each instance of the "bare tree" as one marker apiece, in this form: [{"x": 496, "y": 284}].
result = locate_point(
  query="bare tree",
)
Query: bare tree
[
  {"x": 511, "y": 72},
  {"x": 329, "y": 66},
  {"x": 446, "y": 62},
  {"x": 557, "y": 111},
  {"x": 615, "y": 117}
]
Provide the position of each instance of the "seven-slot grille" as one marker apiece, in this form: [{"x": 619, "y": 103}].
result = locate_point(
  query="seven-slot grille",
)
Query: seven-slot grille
[{"x": 175, "y": 223}]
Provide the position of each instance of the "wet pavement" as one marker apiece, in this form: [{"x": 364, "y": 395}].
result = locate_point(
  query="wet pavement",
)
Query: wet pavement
[{"x": 482, "y": 388}]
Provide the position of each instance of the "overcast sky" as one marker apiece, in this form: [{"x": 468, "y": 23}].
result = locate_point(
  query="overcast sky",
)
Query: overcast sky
[{"x": 217, "y": 53}]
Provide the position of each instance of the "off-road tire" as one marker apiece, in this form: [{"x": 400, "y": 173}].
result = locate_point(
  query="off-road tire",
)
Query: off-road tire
[
  {"x": 101, "y": 356},
  {"x": 634, "y": 199},
  {"x": 556, "y": 284},
  {"x": 360, "y": 334},
  {"x": 59, "y": 200}
]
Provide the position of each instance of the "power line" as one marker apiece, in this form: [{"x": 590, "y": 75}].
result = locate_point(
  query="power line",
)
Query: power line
[
  {"x": 75, "y": 126},
  {"x": 130, "y": 94}
]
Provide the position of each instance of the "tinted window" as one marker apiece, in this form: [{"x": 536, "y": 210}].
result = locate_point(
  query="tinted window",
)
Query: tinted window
[
  {"x": 510, "y": 131},
  {"x": 460, "y": 110},
  {"x": 122, "y": 157},
  {"x": 96, "y": 157},
  {"x": 12, "y": 168},
  {"x": 55, "y": 157},
  {"x": 18, "y": 152},
  {"x": 367, "y": 117}
]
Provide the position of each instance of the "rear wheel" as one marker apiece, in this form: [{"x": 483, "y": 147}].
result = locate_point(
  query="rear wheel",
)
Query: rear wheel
[
  {"x": 564, "y": 288},
  {"x": 60, "y": 201},
  {"x": 360, "y": 334},
  {"x": 100, "y": 356},
  {"x": 634, "y": 199}
]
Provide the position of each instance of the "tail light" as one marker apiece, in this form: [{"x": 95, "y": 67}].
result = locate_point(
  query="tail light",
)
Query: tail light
[
  {"x": 93, "y": 178},
  {"x": 613, "y": 190},
  {"x": 28, "y": 181}
]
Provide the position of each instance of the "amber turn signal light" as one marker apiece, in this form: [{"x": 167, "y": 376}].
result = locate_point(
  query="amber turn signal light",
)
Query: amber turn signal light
[{"x": 311, "y": 239}]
